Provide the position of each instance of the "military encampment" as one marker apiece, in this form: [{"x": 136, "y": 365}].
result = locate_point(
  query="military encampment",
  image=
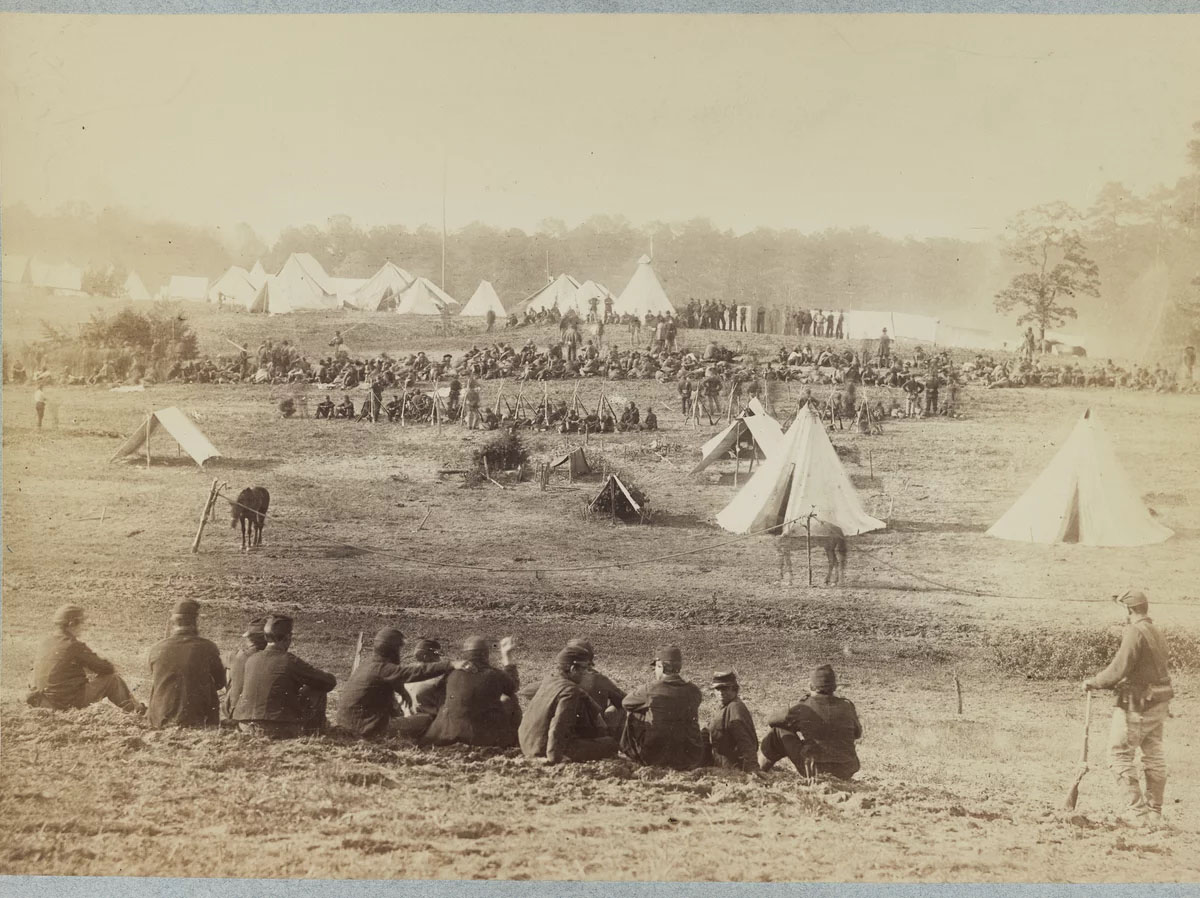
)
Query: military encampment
[{"x": 639, "y": 449}]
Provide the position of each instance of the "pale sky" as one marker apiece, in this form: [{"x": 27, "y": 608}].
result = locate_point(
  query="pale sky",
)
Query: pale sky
[{"x": 922, "y": 125}]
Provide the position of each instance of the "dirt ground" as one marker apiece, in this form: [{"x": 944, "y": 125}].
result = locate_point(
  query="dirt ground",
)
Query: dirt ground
[{"x": 365, "y": 533}]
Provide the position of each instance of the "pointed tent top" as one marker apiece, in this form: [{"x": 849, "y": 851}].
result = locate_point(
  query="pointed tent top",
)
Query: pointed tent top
[
  {"x": 189, "y": 437},
  {"x": 370, "y": 296},
  {"x": 559, "y": 293},
  {"x": 258, "y": 274},
  {"x": 643, "y": 293},
  {"x": 424, "y": 297},
  {"x": 1082, "y": 496},
  {"x": 805, "y": 476},
  {"x": 135, "y": 288},
  {"x": 482, "y": 300}
]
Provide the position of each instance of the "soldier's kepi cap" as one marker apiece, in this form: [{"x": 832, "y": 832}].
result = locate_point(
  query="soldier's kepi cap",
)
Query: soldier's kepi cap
[
  {"x": 583, "y": 645},
  {"x": 428, "y": 645},
  {"x": 388, "y": 638},
  {"x": 1132, "y": 598},
  {"x": 823, "y": 679},
  {"x": 186, "y": 608},
  {"x": 255, "y": 627},
  {"x": 67, "y": 615},
  {"x": 570, "y": 657},
  {"x": 278, "y": 626},
  {"x": 669, "y": 654},
  {"x": 724, "y": 678}
]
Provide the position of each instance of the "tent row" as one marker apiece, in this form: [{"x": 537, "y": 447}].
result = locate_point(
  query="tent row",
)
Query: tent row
[
  {"x": 1082, "y": 496},
  {"x": 643, "y": 295}
]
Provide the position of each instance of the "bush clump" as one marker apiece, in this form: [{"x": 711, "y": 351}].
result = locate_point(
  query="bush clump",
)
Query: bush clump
[
  {"x": 503, "y": 451},
  {"x": 1059, "y": 655}
]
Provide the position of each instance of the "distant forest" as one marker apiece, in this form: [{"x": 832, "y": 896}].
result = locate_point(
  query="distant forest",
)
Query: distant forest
[{"x": 1147, "y": 249}]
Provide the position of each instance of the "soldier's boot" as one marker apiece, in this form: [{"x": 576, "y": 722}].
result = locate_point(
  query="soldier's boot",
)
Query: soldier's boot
[
  {"x": 1156, "y": 786},
  {"x": 1135, "y": 808}
]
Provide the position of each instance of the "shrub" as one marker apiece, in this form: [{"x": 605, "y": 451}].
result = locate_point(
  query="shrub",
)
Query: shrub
[
  {"x": 1059, "y": 655},
  {"x": 503, "y": 451}
]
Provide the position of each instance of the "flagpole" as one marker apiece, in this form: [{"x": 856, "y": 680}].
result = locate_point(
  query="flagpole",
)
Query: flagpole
[{"x": 444, "y": 164}]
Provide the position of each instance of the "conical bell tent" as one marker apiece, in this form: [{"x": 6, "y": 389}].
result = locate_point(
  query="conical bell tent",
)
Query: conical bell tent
[
  {"x": 1082, "y": 496},
  {"x": 805, "y": 476}
]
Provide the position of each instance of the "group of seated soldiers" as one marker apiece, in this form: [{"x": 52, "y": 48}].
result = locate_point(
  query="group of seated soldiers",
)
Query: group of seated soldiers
[{"x": 576, "y": 713}]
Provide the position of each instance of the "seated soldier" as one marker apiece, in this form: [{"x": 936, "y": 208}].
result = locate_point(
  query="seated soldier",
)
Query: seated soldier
[
  {"x": 663, "y": 727},
  {"x": 393, "y": 408},
  {"x": 729, "y": 739},
  {"x": 424, "y": 698},
  {"x": 186, "y": 674},
  {"x": 367, "y": 705},
  {"x": 61, "y": 667},
  {"x": 481, "y": 706},
  {"x": 282, "y": 696},
  {"x": 651, "y": 420},
  {"x": 253, "y": 640},
  {"x": 563, "y": 723},
  {"x": 287, "y": 407},
  {"x": 325, "y": 408},
  {"x": 600, "y": 689},
  {"x": 345, "y": 410},
  {"x": 818, "y": 733}
]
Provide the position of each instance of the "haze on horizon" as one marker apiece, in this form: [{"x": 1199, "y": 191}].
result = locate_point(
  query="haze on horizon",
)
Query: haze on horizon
[{"x": 910, "y": 125}]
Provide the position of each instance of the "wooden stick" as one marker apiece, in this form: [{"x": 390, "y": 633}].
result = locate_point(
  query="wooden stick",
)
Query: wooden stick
[
  {"x": 958, "y": 691},
  {"x": 208, "y": 504},
  {"x": 428, "y": 511}
]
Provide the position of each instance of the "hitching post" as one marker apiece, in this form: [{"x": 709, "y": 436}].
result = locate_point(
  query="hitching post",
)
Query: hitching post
[{"x": 212, "y": 497}]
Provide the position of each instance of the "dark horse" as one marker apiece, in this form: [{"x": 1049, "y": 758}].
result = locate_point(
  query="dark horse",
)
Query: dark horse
[{"x": 251, "y": 508}]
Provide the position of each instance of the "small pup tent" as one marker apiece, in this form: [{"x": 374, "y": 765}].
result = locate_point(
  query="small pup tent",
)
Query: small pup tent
[
  {"x": 804, "y": 476},
  {"x": 763, "y": 429},
  {"x": 618, "y": 500},
  {"x": 179, "y": 426},
  {"x": 1082, "y": 496},
  {"x": 483, "y": 300},
  {"x": 576, "y": 462}
]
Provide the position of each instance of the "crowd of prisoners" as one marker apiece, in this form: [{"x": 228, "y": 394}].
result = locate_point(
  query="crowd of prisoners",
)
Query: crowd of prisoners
[
  {"x": 575, "y": 714},
  {"x": 635, "y": 350}
]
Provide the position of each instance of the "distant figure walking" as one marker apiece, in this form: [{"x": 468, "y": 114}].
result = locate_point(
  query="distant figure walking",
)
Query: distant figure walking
[
  {"x": 251, "y": 508},
  {"x": 39, "y": 405}
]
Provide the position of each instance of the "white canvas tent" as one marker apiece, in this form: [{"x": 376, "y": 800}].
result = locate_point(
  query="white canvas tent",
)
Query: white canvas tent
[
  {"x": 179, "y": 426},
  {"x": 804, "y": 476},
  {"x": 581, "y": 302},
  {"x": 346, "y": 290},
  {"x": 763, "y": 429},
  {"x": 558, "y": 294},
  {"x": 643, "y": 294},
  {"x": 482, "y": 300},
  {"x": 388, "y": 281},
  {"x": 235, "y": 285},
  {"x": 258, "y": 274},
  {"x": 1082, "y": 496},
  {"x": 424, "y": 297},
  {"x": 301, "y": 285},
  {"x": 63, "y": 279},
  {"x": 135, "y": 287}
]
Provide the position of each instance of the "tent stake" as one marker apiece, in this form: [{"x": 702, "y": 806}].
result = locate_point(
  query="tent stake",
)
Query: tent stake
[{"x": 212, "y": 497}]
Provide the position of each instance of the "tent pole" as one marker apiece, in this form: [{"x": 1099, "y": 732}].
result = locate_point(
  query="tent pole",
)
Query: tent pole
[
  {"x": 212, "y": 498},
  {"x": 149, "y": 418},
  {"x": 808, "y": 544},
  {"x": 737, "y": 452}
]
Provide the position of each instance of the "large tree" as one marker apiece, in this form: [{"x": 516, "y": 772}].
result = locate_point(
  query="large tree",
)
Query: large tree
[{"x": 1046, "y": 242}]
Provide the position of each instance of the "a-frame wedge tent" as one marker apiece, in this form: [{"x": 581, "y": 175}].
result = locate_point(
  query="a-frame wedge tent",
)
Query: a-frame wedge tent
[
  {"x": 1082, "y": 496},
  {"x": 617, "y": 499},
  {"x": 643, "y": 293},
  {"x": 385, "y": 283},
  {"x": 576, "y": 462},
  {"x": 763, "y": 429},
  {"x": 557, "y": 294},
  {"x": 181, "y": 429},
  {"x": 483, "y": 300},
  {"x": 803, "y": 476},
  {"x": 424, "y": 297}
]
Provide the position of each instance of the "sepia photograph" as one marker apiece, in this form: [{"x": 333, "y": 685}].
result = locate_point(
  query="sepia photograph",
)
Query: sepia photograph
[{"x": 600, "y": 447}]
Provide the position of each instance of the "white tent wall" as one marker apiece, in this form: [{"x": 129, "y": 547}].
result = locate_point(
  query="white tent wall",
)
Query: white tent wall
[
  {"x": 187, "y": 287},
  {"x": 135, "y": 287},
  {"x": 643, "y": 294},
  {"x": 389, "y": 276},
  {"x": 558, "y": 294},
  {"x": 424, "y": 297},
  {"x": 1083, "y": 495},
  {"x": 235, "y": 286},
  {"x": 804, "y": 476},
  {"x": 763, "y": 429},
  {"x": 181, "y": 428},
  {"x": 861, "y": 325},
  {"x": 483, "y": 300}
]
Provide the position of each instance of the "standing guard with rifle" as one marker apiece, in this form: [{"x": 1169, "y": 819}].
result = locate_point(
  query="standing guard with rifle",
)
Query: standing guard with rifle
[{"x": 1138, "y": 673}]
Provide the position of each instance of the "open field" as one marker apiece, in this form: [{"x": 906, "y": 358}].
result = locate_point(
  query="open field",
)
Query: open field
[{"x": 941, "y": 796}]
